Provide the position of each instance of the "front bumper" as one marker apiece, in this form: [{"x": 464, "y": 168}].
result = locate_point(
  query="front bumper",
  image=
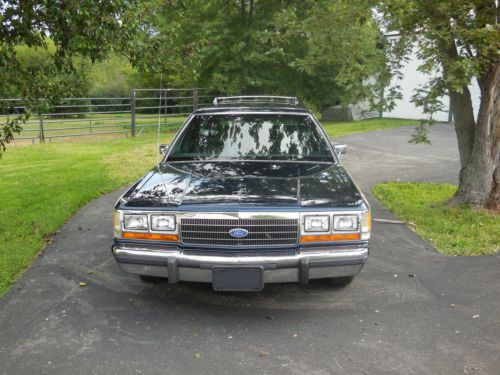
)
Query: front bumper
[{"x": 173, "y": 263}]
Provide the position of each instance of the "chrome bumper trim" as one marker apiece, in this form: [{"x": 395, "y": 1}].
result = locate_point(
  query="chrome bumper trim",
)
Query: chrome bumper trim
[{"x": 305, "y": 265}]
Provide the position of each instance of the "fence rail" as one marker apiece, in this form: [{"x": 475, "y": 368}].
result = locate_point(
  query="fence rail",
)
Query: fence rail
[{"x": 80, "y": 117}]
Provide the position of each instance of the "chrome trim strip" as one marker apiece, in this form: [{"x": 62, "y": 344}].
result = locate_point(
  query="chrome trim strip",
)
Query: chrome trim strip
[{"x": 321, "y": 255}]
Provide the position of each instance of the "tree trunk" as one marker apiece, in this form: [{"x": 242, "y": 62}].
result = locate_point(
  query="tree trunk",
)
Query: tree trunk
[
  {"x": 479, "y": 180},
  {"x": 463, "y": 115}
]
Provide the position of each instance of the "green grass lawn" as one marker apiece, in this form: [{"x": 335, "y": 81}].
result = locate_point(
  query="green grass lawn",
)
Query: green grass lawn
[
  {"x": 96, "y": 124},
  {"x": 43, "y": 185},
  {"x": 338, "y": 129},
  {"x": 451, "y": 230}
]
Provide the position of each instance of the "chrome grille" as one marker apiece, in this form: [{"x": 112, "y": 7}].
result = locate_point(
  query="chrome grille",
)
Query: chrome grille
[{"x": 261, "y": 232}]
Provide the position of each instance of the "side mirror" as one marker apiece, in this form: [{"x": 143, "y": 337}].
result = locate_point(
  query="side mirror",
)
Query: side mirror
[
  {"x": 163, "y": 149},
  {"x": 340, "y": 149}
]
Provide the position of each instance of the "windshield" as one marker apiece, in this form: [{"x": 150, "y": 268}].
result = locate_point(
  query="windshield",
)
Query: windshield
[{"x": 251, "y": 137}]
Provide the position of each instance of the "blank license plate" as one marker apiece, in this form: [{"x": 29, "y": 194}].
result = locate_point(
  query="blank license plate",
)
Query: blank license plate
[{"x": 237, "y": 279}]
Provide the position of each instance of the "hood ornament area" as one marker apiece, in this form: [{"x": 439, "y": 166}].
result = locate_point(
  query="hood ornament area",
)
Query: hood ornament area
[{"x": 238, "y": 233}]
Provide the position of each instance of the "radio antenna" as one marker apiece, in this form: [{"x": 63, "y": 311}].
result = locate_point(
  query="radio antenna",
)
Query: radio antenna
[{"x": 159, "y": 121}]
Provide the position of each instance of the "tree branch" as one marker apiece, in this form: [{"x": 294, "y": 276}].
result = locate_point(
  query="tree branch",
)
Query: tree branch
[{"x": 250, "y": 13}]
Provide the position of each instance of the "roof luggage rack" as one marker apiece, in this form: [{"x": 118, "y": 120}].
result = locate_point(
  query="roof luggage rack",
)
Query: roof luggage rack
[{"x": 257, "y": 100}]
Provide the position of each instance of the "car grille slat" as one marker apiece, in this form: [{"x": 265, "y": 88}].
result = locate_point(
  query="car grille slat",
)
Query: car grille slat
[{"x": 261, "y": 232}]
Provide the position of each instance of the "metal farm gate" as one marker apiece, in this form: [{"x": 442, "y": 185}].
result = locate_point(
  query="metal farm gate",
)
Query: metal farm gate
[{"x": 93, "y": 117}]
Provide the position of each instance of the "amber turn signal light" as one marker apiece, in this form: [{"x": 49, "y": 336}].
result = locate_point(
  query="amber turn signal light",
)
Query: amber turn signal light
[
  {"x": 330, "y": 237},
  {"x": 116, "y": 221},
  {"x": 151, "y": 236}
]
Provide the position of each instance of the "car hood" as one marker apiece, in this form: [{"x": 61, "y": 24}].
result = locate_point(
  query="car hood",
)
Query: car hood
[{"x": 244, "y": 183}]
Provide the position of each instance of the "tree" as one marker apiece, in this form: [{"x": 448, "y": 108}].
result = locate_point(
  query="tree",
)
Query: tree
[
  {"x": 73, "y": 82},
  {"x": 75, "y": 27},
  {"x": 458, "y": 41},
  {"x": 113, "y": 77},
  {"x": 325, "y": 52}
]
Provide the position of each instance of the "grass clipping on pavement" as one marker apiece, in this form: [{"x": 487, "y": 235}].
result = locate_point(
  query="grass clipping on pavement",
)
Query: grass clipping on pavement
[{"x": 451, "y": 230}]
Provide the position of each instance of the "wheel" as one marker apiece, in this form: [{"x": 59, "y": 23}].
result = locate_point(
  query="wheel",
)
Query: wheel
[
  {"x": 341, "y": 282},
  {"x": 150, "y": 279}
]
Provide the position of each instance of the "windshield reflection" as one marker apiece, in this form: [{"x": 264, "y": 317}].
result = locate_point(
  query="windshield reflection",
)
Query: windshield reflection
[{"x": 251, "y": 137}]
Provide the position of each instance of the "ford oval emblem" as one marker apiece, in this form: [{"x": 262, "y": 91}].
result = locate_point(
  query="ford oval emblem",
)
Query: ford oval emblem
[{"x": 238, "y": 233}]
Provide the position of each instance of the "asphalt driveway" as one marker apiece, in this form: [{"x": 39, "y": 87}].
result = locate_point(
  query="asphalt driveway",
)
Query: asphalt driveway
[{"x": 411, "y": 310}]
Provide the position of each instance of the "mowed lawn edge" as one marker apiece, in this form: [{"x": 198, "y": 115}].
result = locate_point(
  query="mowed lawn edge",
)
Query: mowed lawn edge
[
  {"x": 43, "y": 185},
  {"x": 339, "y": 129},
  {"x": 451, "y": 230}
]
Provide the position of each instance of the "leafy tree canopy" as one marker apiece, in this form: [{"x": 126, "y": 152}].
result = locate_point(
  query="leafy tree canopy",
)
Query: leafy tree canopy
[
  {"x": 322, "y": 51},
  {"x": 76, "y": 27},
  {"x": 325, "y": 52}
]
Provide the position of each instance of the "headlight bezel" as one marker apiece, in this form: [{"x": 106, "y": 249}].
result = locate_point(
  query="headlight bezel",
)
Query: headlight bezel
[
  {"x": 362, "y": 220},
  {"x": 121, "y": 215}
]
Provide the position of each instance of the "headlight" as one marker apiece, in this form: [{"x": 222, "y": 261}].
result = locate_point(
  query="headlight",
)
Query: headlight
[
  {"x": 163, "y": 222},
  {"x": 135, "y": 222},
  {"x": 345, "y": 223},
  {"x": 317, "y": 223}
]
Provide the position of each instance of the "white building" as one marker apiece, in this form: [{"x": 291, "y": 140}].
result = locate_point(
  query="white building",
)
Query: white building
[{"x": 412, "y": 79}]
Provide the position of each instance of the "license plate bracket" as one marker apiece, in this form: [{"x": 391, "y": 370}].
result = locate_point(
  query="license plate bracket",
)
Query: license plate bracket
[{"x": 238, "y": 279}]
